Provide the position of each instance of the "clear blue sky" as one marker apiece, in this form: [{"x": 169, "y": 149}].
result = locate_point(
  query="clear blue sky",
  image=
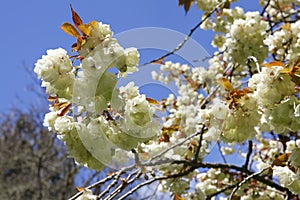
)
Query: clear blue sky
[{"x": 29, "y": 28}]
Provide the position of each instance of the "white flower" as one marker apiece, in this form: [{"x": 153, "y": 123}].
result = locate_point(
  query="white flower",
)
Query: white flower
[
  {"x": 262, "y": 165},
  {"x": 227, "y": 150},
  {"x": 132, "y": 57},
  {"x": 285, "y": 175},
  {"x": 102, "y": 31},
  {"x": 49, "y": 120},
  {"x": 129, "y": 91},
  {"x": 53, "y": 64},
  {"x": 298, "y": 143},
  {"x": 270, "y": 86},
  {"x": 138, "y": 110},
  {"x": 273, "y": 152},
  {"x": 131, "y": 61},
  {"x": 212, "y": 134},
  {"x": 207, "y": 5},
  {"x": 290, "y": 146},
  {"x": 64, "y": 124},
  {"x": 245, "y": 39},
  {"x": 218, "y": 109},
  {"x": 273, "y": 144}
]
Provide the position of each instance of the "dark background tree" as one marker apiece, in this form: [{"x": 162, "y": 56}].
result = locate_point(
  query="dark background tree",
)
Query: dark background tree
[{"x": 33, "y": 162}]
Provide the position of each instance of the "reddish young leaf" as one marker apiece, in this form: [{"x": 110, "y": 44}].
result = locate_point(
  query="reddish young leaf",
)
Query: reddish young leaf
[
  {"x": 170, "y": 130},
  {"x": 152, "y": 101},
  {"x": 76, "y": 19},
  {"x": 59, "y": 105},
  {"x": 234, "y": 97},
  {"x": 80, "y": 189},
  {"x": 186, "y": 3},
  {"x": 65, "y": 110},
  {"x": 286, "y": 26},
  {"x": 70, "y": 29},
  {"x": 225, "y": 83},
  {"x": 52, "y": 98},
  {"x": 281, "y": 160},
  {"x": 85, "y": 29},
  {"x": 273, "y": 64},
  {"x": 178, "y": 197}
]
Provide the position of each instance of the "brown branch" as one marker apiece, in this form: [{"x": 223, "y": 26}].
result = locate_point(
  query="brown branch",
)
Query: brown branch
[
  {"x": 102, "y": 181},
  {"x": 265, "y": 8},
  {"x": 148, "y": 182},
  {"x": 262, "y": 179},
  {"x": 250, "y": 149},
  {"x": 173, "y": 146},
  {"x": 200, "y": 144},
  {"x": 221, "y": 191},
  {"x": 124, "y": 184},
  {"x": 246, "y": 180}
]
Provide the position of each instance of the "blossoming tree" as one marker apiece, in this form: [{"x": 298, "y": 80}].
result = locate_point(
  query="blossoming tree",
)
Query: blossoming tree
[{"x": 244, "y": 103}]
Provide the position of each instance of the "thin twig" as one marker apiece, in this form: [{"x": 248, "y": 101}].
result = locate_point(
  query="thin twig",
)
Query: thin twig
[
  {"x": 221, "y": 191},
  {"x": 222, "y": 155},
  {"x": 154, "y": 192},
  {"x": 112, "y": 184},
  {"x": 180, "y": 45},
  {"x": 173, "y": 146},
  {"x": 207, "y": 98},
  {"x": 262, "y": 179},
  {"x": 245, "y": 180},
  {"x": 148, "y": 182},
  {"x": 124, "y": 184},
  {"x": 265, "y": 8},
  {"x": 123, "y": 170},
  {"x": 200, "y": 144},
  {"x": 141, "y": 185}
]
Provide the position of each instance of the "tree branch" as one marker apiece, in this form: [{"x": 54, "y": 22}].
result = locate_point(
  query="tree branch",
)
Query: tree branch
[
  {"x": 172, "y": 176},
  {"x": 262, "y": 179},
  {"x": 250, "y": 149},
  {"x": 245, "y": 180},
  {"x": 180, "y": 45},
  {"x": 221, "y": 191},
  {"x": 102, "y": 181},
  {"x": 199, "y": 145},
  {"x": 124, "y": 184},
  {"x": 265, "y": 8},
  {"x": 173, "y": 146}
]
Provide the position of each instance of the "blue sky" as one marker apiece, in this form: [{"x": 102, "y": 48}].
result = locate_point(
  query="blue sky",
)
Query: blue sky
[{"x": 31, "y": 27}]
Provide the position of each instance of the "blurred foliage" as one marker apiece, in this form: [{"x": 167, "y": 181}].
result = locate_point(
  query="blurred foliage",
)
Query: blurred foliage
[{"x": 33, "y": 162}]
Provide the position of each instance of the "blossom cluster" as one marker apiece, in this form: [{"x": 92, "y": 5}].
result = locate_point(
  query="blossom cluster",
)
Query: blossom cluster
[
  {"x": 285, "y": 43},
  {"x": 280, "y": 9},
  {"x": 232, "y": 101},
  {"x": 87, "y": 109},
  {"x": 266, "y": 102}
]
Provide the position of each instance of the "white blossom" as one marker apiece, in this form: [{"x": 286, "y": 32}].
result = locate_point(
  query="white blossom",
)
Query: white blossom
[
  {"x": 53, "y": 64},
  {"x": 64, "y": 124}
]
